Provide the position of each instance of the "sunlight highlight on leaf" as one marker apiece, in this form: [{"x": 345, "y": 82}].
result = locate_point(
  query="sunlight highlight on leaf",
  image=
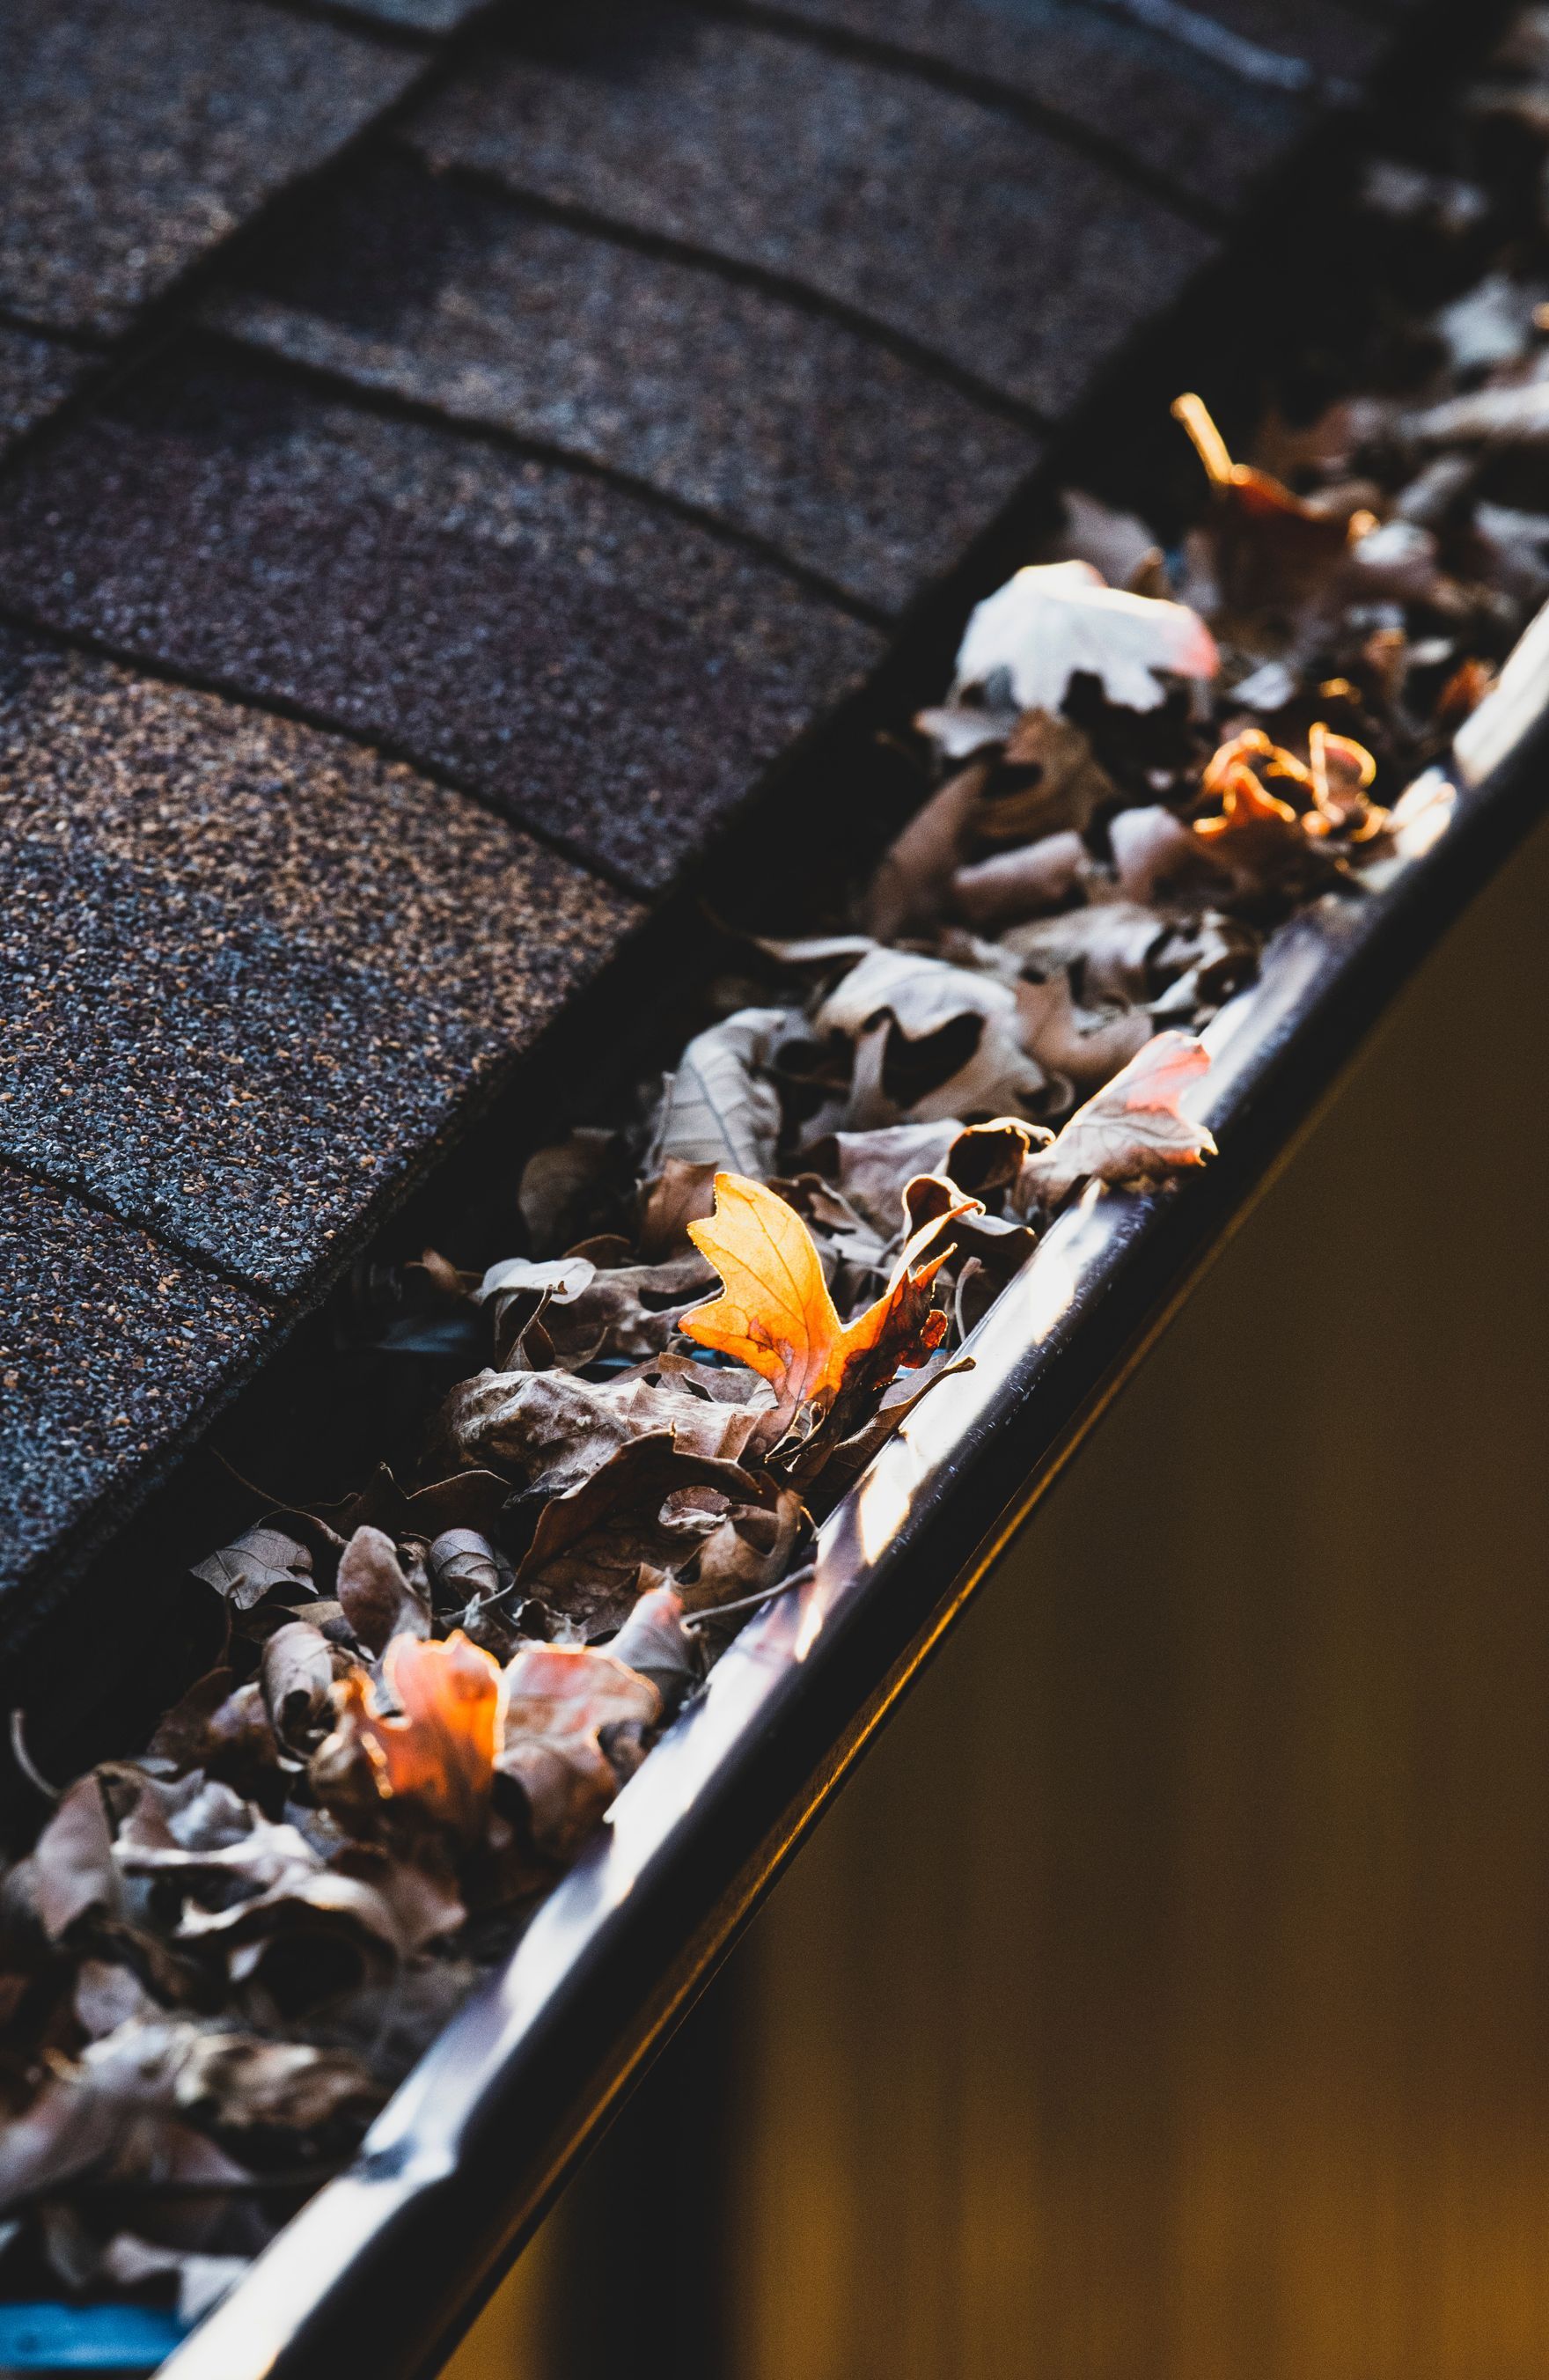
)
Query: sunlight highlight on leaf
[
  {"x": 775, "y": 1314},
  {"x": 440, "y": 1753}
]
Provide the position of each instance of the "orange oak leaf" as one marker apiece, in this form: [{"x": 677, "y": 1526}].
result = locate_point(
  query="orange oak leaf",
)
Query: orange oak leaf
[
  {"x": 440, "y": 1752},
  {"x": 775, "y": 1314}
]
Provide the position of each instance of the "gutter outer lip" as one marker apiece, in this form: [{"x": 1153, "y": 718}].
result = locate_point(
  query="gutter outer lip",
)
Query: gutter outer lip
[{"x": 390, "y": 2262}]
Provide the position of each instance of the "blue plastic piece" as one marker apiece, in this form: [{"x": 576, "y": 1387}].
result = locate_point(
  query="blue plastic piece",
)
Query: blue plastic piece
[{"x": 42, "y": 2336}]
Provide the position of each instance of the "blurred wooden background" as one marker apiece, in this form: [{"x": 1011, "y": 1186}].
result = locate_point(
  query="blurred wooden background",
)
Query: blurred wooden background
[{"x": 1168, "y": 1998}]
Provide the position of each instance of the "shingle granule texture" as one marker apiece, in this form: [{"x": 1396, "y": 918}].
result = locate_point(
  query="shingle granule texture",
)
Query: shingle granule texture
[
  {"x": 35, "y": 376},
  {"x": 955, "y": 226},
  {"x": 1183, "y": 113},
  {"x": 614, "y": 675},
  {"x": 793, "y": 427},
  {"x": 110, "y": 1349},
  {"x": 251, "y": 973},
  {"x": 134, "y": 138}
]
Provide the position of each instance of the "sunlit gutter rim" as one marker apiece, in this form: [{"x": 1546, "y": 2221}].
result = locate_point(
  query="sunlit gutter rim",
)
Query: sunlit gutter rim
[{"x": 387, "y": 2264}]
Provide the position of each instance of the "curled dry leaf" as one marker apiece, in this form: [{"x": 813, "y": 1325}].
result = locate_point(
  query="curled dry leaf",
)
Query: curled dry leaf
[
  {"x": 654, "y": 1642},
  {"x": 871, "y": 1169},
  {"x": 183, "y": 1738},
  {"x": 1269, "y": 549},
  {"x": 1080, "y": 1047},
  {"x": 920, "y": 994},
  {"x": 1047, "y": 779},
  {"x": 563, "y": 1278},
  {"x": 1023, "y": 882},
  {"x": 647, "y": 1511},
  {"x": 1264, "y": 840},
  {"x": 376, "y": 1599},
  {"x": 1110, "y": 950},
  {"x": 677, "y": 1194},
  {"x": 228, "y": 2082},
  {"x": 908, "y": 887},
  {"x": 465, "y": 1568},
  {"x": 630, "y": 1310},
  {"x": 296, "y": 1674},
  {"x": 721, "y": 1108},
  {"x": 1156, "y": 858},
  {"x": 203, "y": 1839},
  {"x": 72, "y": 1870},
  {"x": 542, "y": 1431},
  {"x": 1042, "y": 778},
  {"x": 260, "y": 1561},
  {"x": 374, "y": 1910},
  {"x": 1133, "y": 1132},
  {"x": 751, "y": 1549},
  {"x": 1002, "y": 1246},
  {"x": 931, "y": 1039},
  {"x": 76, "y": 2126}
]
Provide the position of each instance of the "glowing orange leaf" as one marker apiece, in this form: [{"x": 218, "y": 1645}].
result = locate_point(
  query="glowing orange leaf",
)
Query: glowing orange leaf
[
  {"x": 775, "y": 1314},
  {"x": 1257, "y": 825},
  {"x": 441, "y": 1752},
  {"x": 1339, "y": 772}
]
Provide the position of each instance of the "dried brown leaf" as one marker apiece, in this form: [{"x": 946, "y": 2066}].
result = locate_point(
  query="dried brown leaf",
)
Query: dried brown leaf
[
  {"x": 376, "y": 1599},
  {"x": 719, "y": 1108},
  {"x": 1054, "y": 620},
  {"x": 556, "y": 1701},
  {"x": 1023, "y": 882},
  {"x": 262, "y": 1561},
  {"x": 1133, "y": 1132}
]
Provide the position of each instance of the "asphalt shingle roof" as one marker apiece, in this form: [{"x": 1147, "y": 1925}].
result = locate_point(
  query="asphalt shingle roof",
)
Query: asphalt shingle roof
[
  {"x": 1179, "y": 109},
  {"x": 246, "y": 969},
  {"x": 851, "y": 460},
  {"x": 609, "y": 672},
  {"x": 36, "y": 374},
  {"x": 134, "y": 138},
  {"x": 574, "y": 422},
  {"x": 110, "y": 1346},
  {"x": 949, "y": 223}
]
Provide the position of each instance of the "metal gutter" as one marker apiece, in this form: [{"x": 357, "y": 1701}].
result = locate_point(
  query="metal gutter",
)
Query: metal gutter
[{"x": 388, "y": 2264}]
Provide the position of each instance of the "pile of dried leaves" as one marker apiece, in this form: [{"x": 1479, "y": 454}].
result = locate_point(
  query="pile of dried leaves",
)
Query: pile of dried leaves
[{"x": 220, "y": 1958}]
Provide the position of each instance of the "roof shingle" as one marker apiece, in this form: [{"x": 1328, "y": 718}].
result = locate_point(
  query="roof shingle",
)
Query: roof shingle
[
  {"x": 110, "y": 1348},
  {"x": 610, "y": 674},
  {"x": 849, "y": 460},
  {"x": 135, "y": 139},
  {"x": 35, "y": 376},
  {"x": 1171, "y": 104},
  {"x": 251, "y": 973},
  {"x": 954, "y": 225}
]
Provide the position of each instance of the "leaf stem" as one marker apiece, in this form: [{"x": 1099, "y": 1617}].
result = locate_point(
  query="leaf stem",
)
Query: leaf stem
[{"x": 697, "y": 1619}]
